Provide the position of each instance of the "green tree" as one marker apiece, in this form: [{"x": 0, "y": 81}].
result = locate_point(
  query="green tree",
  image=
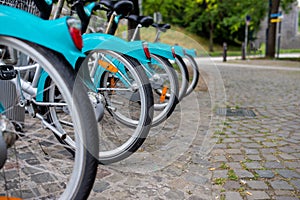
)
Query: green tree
[{"x": 219, "y": 20}]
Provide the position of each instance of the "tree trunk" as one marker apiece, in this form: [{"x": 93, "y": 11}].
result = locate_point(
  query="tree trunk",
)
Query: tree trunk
[
  {"x": 133, "y": 25},
  {"x": 271, "y": 43}
]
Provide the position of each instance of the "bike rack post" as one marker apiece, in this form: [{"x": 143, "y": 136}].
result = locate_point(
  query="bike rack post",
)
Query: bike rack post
[
  {"x": 224, "y": 52},
  {"x": 243, "y": 51}
]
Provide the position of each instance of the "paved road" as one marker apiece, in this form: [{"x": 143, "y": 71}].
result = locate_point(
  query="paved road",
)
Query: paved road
[{"x": 200, "y": 154}]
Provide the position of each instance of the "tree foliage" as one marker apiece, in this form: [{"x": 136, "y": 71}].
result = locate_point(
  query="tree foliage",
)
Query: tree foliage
[{"x": 219, "y": 20}]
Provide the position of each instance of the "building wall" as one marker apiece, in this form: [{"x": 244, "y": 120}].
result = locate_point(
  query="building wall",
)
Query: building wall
[{"x": 290, "y": 37}]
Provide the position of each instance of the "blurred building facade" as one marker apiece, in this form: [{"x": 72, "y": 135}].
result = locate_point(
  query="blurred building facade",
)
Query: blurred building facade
[{"x": 290, "y": 36}]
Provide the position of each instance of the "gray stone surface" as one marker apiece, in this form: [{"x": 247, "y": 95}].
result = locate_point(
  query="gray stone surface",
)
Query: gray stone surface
[{"x": 262, "y": 151}]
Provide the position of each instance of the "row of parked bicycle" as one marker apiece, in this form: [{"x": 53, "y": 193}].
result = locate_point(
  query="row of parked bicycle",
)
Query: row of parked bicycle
[{"x": 96, "y": 95}]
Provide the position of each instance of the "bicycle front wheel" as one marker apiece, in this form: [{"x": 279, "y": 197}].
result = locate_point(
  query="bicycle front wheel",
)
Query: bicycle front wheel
[{"x": 41, "y": 167}]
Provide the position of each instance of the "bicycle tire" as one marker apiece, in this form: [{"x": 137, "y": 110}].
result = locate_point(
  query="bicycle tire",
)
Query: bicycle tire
[
  {"x": 195, "y": 74},
  {"x": 165, "y": 110},
  {"x": 183, "y": 76},
  {"x": 79, "y": 180},
  {"x": 140, "y": 108}
]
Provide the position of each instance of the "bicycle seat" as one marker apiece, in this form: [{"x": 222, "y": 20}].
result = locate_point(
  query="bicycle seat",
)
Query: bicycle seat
[
  {"x": 145, "y": 21},
  {"x": 161, "y": 27},
  {"x": 133, "y": 18},
  {"x": 164, "y": 26},
  {"x": 106, "y": 3},
  {"x": 123, "y": 7}
]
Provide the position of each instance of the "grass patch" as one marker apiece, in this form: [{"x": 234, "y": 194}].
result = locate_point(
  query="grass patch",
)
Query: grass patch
[
  {"x": 224, "y": 166},
  {"x": 219, "y": 181},
  {"x": 232, "y": 176}
]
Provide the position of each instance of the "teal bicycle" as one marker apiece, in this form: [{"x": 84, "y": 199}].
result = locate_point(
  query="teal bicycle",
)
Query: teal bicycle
[{"x": 34, "y": 165}]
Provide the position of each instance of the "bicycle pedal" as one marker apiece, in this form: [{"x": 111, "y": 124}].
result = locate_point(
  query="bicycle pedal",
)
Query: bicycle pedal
[{"x": 7, "y": 72}]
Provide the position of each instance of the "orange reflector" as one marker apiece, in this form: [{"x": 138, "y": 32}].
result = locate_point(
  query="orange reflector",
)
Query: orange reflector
[
  {"x": 163, "y": 94},
  {"x": 9, "y": 198},
  {"x": 112, "y": 82},
  {"x": 108, "y": 66}
]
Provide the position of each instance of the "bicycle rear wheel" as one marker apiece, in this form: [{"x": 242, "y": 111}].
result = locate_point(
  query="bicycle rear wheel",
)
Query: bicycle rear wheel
[
  {"x": 128, "y": 101},
  {"x": 165, "y": 84},
  {"x": 39, "y": 167}
]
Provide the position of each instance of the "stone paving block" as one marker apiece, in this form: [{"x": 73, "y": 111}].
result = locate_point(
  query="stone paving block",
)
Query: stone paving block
[
  {"x": 273, "y": 165},
  {"x": 233, "y": 195},
  {"x": 27, "y": 194},
  {"x": 265, "y": 173},
  {"x": 42, "y": 177},
  {"x": 282, "y": 143},
  {"x": 253, "y": 165},
  {"x": 251, "y": 151},
  {"x": 270, "y": 144},
  {"x": 297, "y": 155},
  {"x": 258, "y": 195},
  {"x": 244, "y": 140},
  {"x": 220, "y": 158},
  {"x": 100, "y": 186},
  {"x": 220, "y": 173},
  {"x": 286, "y": 156},
  {"x": 286, "y": 198},
  {"x": 237, "y": 157},
  {"x": 231, "y": 185},
  {"x": 283, "y": 192},
  {"x": 243, "y": 173},
  {"x": 260, "y": 185},
  {"x": 281, "y": 185},
  {"x": 254, "y": 157},
  {"x": 267, "y": 150},
  {"x": 291, "y": 140},
  {"x": 220, "y": 146},
  {"x": 233, "y": 151},
  {"x": 252, "y": 145},
  {"x": 235, "y": 145},
  {"x": 269, "y": 157},
  {"x": 288, "y": 173},
  {"x": 228, "y": 140},
  {"x": 234, "y": 165},
  {"x": 174, "y": 194},
  {"x": 218, "y": 152},
  {"x": 292, "y": 164},
  {"x": 196, "y": 178},
  {"x": 296, "y": 183}
]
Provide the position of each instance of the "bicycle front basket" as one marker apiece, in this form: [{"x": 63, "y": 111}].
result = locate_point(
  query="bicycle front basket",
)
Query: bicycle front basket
[{"x": 26, "y": 5}]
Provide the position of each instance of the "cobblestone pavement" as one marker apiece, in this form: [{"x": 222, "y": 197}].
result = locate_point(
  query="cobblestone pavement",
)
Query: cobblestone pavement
[
  {"x": 258, "y": 157},
  {"x": 215, "y": 156},
  {"x": 202, "y": 152}
]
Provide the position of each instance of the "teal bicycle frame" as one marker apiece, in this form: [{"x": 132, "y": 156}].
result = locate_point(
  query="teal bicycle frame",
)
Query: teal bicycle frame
[{"x": 48, "y": 35}]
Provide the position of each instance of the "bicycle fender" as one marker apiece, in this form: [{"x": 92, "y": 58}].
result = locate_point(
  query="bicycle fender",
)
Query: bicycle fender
[
  {"x": 52, "y": 34},
  {"x": 1, "y": 108},
  {"x": 191, "y": 52},
  {"x": 161, "y": 49},
  {"x": 93, "y": 41},
  {"x": 179, "y": 50},
  {"x": 41, "y": 86}
]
